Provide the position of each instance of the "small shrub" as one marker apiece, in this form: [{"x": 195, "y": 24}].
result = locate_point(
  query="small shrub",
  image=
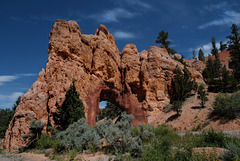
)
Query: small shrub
[
  {"x": 145, "y": 131},
  {"x": 44, "y": 141},
  {"x": 212, "y": 138},
  {"x": 35, "y": 129},
  {"x": 233, "y": 152},
  {"x": 119, "y": 136},
  {"x": 167, "y": 108},
  {"x": 56, "y": 145},
  {"x": 227, "y": 105},
  {"x": 72, "y": 154},
  {"x": 78, "y": 135}
]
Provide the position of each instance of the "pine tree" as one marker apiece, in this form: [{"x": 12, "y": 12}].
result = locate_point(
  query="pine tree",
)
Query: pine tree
[
  {"x": 201, "y": 55},
  {"x": 5, "y": 118},
  {"x": 217, "y": 67},
  {"x": 162, "y": 39},
  {"x": 183, "y": 84},
  {"x": 222, "y": 46},
  {"x": 214, "y": 50},
  {"x": 194, "y": 54},
  {"x": 72, "y": 108},
  {"x": 234, "y": 48},
  {"x": 202, "y": 95},
  {"x": 16, "y": 103},
  {"x": 229, "y": 83}
]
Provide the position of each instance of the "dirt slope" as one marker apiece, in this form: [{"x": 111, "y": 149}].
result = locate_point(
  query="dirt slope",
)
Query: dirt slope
[{"x": 192, "y": 117}]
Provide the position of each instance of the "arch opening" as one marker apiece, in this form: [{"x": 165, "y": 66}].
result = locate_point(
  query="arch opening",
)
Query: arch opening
[
  {"x": 109, "y": 105},
  {"x": 108, "y": 110}
]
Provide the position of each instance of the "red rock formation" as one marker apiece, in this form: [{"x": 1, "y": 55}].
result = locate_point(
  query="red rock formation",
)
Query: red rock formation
[{"x": 136, "y": 82}]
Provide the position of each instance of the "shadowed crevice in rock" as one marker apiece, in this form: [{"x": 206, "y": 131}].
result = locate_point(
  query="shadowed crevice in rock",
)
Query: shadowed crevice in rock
[{"x": 136, "y": 82}]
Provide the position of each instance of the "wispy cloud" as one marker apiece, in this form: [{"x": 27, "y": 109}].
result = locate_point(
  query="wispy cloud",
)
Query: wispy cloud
[
  {"x": 10, "y": 78},
  {"x": 206, "y": 48},
  {"x": 7, "y": 101},
  {"x": 123, "y": 35},
  {"x": 229, "y": 17},
  {"x": 35, "y": 19},
  {"x": 139, "y": 3},
  {"x": 11, "y": 97},
  {"x": 7, "y": 78},
  {"x": 213, "y": 7},
  {"x": 112, "y": 15}
]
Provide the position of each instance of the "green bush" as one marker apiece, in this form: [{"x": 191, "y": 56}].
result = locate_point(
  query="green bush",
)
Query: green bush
[
  {"x": 145, "y": 131},
  {"x": 227, "y": 105},
  {"x": 233, "y": 152},
  {"x": 72, "y": 154},
  {"x": 119, "y": 136},
  {"x": 44, "y": 141},
  {"x": 35, "y": 131},
  {"x": 212, "y": 138},
  {"x": 159, "y": 145},
  {"x": 79, "y": 136}
]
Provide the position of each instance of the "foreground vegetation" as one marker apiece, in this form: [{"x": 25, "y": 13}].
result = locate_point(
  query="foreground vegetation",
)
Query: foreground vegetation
[{"x": 123, "y": 141}]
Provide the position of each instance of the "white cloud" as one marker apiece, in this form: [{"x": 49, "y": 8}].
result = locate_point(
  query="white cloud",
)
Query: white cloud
[
  {"x": 217, "y": 6},
  {"x": 7, "y": 101},
  {"x": 139, "y": 3},
  {"x": 7, "y": 78},
  {"x": 206, "y": 48},
  {"x": 11, "y": 97},
  {"x": 113, "y": 15},
  {"x": 27, "y": 75},
  {"x": 228, "y": 18},
  {"x": 10, "y": 78},
  {"x": 123, "y": 35}
]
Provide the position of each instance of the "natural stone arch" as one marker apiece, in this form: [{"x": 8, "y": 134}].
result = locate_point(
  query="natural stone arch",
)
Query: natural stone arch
[
  {"x": 139, "y": 82},
  {"x": 123, "y": 100}
]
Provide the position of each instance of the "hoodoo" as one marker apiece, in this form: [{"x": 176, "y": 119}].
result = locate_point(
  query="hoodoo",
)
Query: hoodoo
[{"x": 136, "y": 82}]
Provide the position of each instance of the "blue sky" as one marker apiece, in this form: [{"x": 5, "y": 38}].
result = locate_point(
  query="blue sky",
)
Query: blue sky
[{"x": 25, "y": 26}]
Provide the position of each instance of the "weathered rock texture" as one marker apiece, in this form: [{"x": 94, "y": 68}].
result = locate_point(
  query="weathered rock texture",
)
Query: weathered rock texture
[{"x": 136, "y": 82}]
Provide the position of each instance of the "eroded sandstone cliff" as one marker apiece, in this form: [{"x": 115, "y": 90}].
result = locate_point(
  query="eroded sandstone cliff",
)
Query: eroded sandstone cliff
[{"x": 136, "y": 82}]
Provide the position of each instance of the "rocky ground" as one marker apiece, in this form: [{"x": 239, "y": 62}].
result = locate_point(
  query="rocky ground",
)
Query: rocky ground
[
  {"x": 6, "y": 156},
  {"x": 193, "y": 117}
]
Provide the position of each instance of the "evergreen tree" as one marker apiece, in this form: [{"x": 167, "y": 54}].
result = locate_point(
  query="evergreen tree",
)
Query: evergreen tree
[
  {"x": 72, "y": 108},
  {"x": 217, "y": 67},
  {"x": 201, "y": 55},
  {"x": 162, "y": 39},
  {"x": 183, "y": 84},
  {"x": 229, "y": 83},
  {"x": 16, "y": 103},
  {"x": 234, "y": 48},
  {"x": 202, "y": 95},
  {"x": 214, "y": 50},
  {"x": 5, "y": 118},
  {"x": 222, "y": 46},
  {"x": 194, "y": 54}
]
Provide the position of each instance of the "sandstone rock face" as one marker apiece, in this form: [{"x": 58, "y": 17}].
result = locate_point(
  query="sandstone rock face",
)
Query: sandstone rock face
[
  {"x": 136, "y": 82},
  {"x": 196, "y": 67}
]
